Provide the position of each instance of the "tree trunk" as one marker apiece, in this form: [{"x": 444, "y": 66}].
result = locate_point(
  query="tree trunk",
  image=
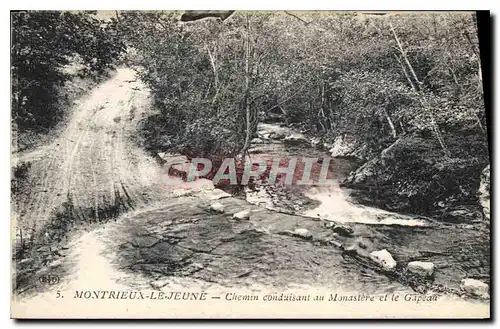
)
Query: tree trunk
[
  {"x": 216, "y": 74},
  {"x": 405, "y": 72},
  {"x": 246, "y": 100},
  {"x": 434, "y": 125},
  {"x": 439, "y": 136},
  {"x": 393, "y": 129},
  {"x": 478, "y": 57},
  {"x": 403, "y": 53}
]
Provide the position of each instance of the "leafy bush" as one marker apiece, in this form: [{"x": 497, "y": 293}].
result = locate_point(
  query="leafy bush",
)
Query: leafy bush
[
  {"x": 371, "y": 79},
  {"x": 413, "y": 176},
  {"x": 46, "y": 46}
]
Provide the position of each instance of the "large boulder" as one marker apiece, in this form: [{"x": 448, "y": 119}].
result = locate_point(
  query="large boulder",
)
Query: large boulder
[
  {"x": 343, "y": 230},
  {"x": 384, "y": 259},
  {"x": 302, "y": 233},
  {"x": 217, "y": 207},
  {"x": 242, "y": 215},
  {"x": 475, "y": 288},
  {"x": 484, "y": 192},
  {"x": 423, "y": 269}
]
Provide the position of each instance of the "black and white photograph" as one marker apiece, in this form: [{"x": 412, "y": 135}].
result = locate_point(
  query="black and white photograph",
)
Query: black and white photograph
[{"x": 250, "y": 164}]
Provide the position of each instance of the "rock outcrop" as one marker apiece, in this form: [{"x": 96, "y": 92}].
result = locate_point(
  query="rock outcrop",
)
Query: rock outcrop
[
  {"x": 423, "y": 269},
  {"x": 384, "y": 259},
  {"x": 342, "y": 230},
  {"x": 302, "y": 233},
  {"x": 217, "y": 207},
  {"x": 475, "y": 287},
  {"x": 242, "y": 215}
]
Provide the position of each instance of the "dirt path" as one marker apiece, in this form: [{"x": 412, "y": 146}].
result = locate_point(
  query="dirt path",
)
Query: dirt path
[
  {"x": 94, "y": 163},
  {"x": 93, "y": 172}
]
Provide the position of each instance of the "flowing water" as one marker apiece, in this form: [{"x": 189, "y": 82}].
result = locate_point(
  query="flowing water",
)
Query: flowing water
[
  {"x": 173, "y": 237},
  {"x": 333, "y": 203},
  {"x": 458, "y": 250}
]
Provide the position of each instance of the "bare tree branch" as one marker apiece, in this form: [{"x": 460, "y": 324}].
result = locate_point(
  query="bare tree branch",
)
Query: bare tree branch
[
  {"x": 297, "y": 17},
  {"x": 403, "y": 53}
]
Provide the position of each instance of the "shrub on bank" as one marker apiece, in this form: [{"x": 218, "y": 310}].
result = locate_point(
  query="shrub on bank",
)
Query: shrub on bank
[{"x": 413, "y": 176}]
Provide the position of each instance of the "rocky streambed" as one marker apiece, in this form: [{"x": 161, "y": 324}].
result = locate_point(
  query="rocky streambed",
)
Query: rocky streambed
[
  {"x": 318, "y": 234},
  {"x": 280, "y": 236}
]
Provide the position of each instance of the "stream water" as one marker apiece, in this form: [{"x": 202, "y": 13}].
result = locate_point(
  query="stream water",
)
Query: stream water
[
  {"x": 458, "y": 250},
  {"x": 331, "y": 202},
  {"x": 176, "y": 239}
]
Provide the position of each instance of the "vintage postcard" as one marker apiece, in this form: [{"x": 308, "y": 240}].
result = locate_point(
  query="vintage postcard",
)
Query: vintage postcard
[{"x": 249, "y": 164}]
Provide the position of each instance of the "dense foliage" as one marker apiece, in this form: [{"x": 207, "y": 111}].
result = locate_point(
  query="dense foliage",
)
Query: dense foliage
[
  {"x": 373, "y": 80},
  {"x": 375, "y": 77},
  {"x": 49, "y": 48}
]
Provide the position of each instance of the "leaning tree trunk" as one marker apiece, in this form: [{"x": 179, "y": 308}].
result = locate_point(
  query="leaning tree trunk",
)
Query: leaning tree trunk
[
  {"x": 391, "y": 124},
  {"x": 246, "y": 97},
  {"x": 417, "y": 87}
]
